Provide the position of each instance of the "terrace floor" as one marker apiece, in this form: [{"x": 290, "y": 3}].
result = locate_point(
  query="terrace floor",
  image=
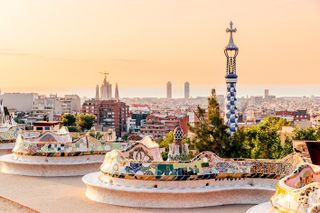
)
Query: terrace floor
[{"x": 67, "y": 194}]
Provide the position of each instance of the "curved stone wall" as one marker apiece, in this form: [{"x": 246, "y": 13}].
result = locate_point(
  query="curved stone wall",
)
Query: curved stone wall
[
  {"x": 207, "y": 180},
  {"x": 6, "y": 148},
  {"x": 177, "y": 194},
  {"x": 50, "y": 166}
]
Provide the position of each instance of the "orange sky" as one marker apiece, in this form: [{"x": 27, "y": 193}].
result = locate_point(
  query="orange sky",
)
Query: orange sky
[{"x": 50, "y": 45}]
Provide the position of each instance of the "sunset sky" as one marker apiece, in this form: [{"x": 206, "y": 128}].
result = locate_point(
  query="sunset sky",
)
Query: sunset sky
[{"x": 62, "y": 45}]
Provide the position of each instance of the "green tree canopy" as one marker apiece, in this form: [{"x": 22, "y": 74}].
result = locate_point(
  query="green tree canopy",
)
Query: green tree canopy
[
  {"x": 97, "y": 135},
  {"x": 210, "y": 131},
  {"x": 85, "y": 121},
  {"x": 74, "y": 129},
  {"x": 275, "y": 122},
  {"x": 306, "y": 134},
  {"x": 263, "y": 140},
  {"x": 164, "y": 143},
  {"x": 235, "y": 147},
  {"x": 68, "y": 120}
]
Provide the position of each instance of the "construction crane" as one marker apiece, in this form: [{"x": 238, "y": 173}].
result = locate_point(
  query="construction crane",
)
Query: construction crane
[{"x": 105, "y": 74}]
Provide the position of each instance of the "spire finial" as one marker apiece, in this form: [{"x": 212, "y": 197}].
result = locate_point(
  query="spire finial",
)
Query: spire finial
[
  {"x": 231, "y": 45},
  {"x": 231, "y": 29}
]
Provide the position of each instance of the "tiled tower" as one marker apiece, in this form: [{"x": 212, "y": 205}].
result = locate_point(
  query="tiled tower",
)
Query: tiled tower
[{"x": 231, "y": 52}]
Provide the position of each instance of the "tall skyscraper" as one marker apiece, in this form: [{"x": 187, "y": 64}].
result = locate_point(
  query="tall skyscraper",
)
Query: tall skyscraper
[
  {"x": 169, "y": 89},
  {"x": 116, "y": 94},
  {"x": 97, "y": 93},
  {"x": 186, "y": 90},
  {"x": 231, "y": 52},
  {"x": 266, "y": 93}
]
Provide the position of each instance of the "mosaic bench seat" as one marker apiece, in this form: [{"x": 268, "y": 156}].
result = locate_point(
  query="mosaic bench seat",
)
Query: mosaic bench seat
[
  {"x": 206, "y": 180},
  {"x": 54, "y": 154},
  {"x": 300, "y": 191}
]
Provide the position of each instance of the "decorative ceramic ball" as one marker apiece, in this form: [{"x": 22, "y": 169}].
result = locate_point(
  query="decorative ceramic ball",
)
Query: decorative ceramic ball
[{"x": 178, "y": 134}]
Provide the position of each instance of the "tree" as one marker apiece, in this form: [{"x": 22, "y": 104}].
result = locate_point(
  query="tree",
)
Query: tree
[
  {"x": 68, "y": 120},
  {"x": 74, "y": 129},
  {"x": 125, "y": 137},
  {"x": 164, "y": 143},
  {"x": 259, "y": 141},
  {"x": 236, "y": 146},
  {"x": 97, "y": 135},
  {"x": 275, "y": 122},
  {"x": 306, "y": 134},
  {"x": 287, "y": 147},
  {"x": 85, "y": 121},
  {"x": 263, "y": 140},
  {"x": 210, "y": 132}
]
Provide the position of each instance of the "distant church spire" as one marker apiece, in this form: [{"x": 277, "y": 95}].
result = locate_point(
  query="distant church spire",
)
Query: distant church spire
[{"x": 116, "y": 95}]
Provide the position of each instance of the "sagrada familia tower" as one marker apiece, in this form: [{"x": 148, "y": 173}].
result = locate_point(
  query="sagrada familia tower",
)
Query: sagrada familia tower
[
  {"x": 231, "y": 52},
  {"x": 105, "y": 91}
]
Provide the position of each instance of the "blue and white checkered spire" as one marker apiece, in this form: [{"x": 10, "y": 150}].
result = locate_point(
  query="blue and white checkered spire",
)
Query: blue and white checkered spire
[{"x": 231, "y": 52}]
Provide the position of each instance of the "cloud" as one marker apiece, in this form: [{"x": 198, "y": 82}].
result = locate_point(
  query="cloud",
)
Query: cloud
[
  {"x": 12, "y": 52},
  {"x": 15, "y": 52},
  {"x": 123, "y": 60}
]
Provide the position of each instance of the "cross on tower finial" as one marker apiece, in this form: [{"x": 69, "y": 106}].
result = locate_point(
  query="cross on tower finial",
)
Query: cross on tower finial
[
  {"x": 231, "y": 29},
  {"x": 231, "y": 45}
]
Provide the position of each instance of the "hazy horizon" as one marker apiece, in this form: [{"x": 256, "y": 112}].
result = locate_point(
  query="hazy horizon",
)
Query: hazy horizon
[{"x": 204, "y": 91}]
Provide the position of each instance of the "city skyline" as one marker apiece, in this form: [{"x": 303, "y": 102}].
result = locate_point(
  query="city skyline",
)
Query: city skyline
[
  {"x": 172, "y": 37},
  {"x": 178, "y": 91}
]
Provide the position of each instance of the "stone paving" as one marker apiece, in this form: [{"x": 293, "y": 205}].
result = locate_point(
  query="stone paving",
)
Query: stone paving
[
  {"x": 66, "y": 194},
  {"x": 13, "y": 207}
]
